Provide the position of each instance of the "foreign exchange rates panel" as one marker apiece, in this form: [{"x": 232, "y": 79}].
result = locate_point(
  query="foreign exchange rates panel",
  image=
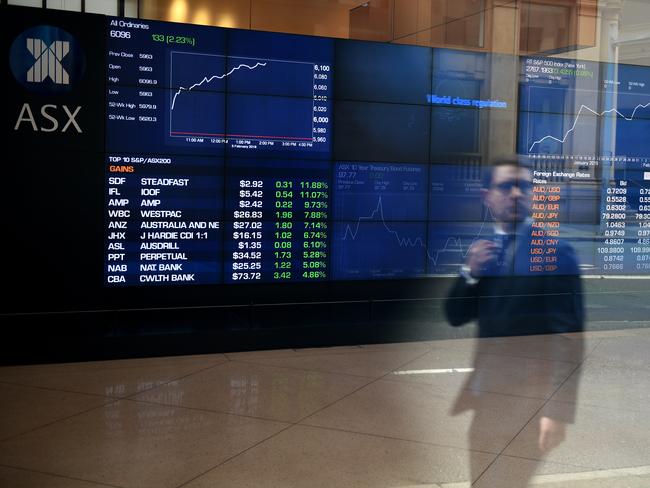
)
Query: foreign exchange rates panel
[
  {"x": 277, "y": 221},
  {"x": 380, "y": 220},
  {"x": 564, "y": 210},
  {"x": 624, "y": 241},
  {"x": 163, "y": 220}
]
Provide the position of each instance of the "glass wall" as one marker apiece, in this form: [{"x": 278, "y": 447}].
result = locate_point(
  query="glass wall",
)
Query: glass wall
[{"x": 399, "y": 135}]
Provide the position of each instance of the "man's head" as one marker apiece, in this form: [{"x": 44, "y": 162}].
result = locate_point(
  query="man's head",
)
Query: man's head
[{"x": 507, "y": 189}]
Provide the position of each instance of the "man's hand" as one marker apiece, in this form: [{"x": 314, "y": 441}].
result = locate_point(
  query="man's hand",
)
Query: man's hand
[
  {"x": 480, "y": 254},
  {"x": 551, "y": 434}
]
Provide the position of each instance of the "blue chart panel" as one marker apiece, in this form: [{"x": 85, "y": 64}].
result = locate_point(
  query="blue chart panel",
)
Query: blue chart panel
[
  {"x": 269, "y": 96},
  {"x": 582, "y": 109},
  {"x": 198, "y": 105},
  {"x": 380, "y": 211},
  {"x": 558, "y": 107},
  {"x": 372, "y": 250},
  {"x": 165, "y": 93}
]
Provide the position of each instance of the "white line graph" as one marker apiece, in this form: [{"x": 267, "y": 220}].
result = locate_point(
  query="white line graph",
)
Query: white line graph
[
  {"x": 582, "y": 107},
  {"x": 455, "y": 244},
  {"x": 380, "y": 210},
  {"x": 213, "y": 77},
  {"x": 452, "y": 244},
  {"x": 286, "y": 84}
]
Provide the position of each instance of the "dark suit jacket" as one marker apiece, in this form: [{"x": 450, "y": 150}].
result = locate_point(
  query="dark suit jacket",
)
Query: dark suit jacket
[{"x": 512, "y": 300}]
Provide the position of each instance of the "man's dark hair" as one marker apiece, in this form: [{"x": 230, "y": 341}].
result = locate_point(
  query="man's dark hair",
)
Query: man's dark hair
[{"x": 486, "y": 181}]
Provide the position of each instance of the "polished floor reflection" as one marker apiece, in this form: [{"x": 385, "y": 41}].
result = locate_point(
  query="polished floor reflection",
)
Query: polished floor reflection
[{"x": 390, "y": 415}]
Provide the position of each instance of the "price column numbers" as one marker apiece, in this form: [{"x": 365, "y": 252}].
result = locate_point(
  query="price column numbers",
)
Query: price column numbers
[
  {"x": 641, "y": 247},
  {"x": 545, "y": 231},
  {"x": 611, "y": 250},
  {"x": 247, "y": 231},
  {"x": 279, "y": 215}
]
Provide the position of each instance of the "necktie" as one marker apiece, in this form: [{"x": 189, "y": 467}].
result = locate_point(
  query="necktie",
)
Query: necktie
[{"x": 503, "y": 254}]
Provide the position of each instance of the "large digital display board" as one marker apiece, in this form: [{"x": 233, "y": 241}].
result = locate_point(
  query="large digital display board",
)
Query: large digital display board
[{"x": 248, "y": 157}]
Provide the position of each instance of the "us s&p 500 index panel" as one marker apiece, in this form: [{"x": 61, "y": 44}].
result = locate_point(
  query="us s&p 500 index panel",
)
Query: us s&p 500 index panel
[{"x": 583, "y": 110}]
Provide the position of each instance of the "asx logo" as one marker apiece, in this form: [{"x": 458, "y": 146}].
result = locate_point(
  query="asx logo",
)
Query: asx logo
[{"x": 49, "y": 61}]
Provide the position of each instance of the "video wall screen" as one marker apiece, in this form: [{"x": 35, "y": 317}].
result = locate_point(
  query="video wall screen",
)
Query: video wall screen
[{"x": 251, "y": 157}]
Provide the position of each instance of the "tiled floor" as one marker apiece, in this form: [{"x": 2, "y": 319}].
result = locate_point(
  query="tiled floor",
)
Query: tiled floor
[{"x": 430, "y": 414}]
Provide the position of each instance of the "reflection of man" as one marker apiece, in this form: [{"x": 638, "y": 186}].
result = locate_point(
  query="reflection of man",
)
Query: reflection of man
[{"x": 508, "y": 295}]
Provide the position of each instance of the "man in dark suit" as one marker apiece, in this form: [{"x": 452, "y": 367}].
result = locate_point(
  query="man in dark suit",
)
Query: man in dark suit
[
  {"x": 499, "y": 284},
  {"x": 502, "y": 287}
]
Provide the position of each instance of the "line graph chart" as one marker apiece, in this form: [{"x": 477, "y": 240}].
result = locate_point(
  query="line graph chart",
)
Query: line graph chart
[
  {"x": 378, "y": 249},
  {"x": 380, "y": 220},
  {"x": 566, "y": 121},
  {"x": 248, "y": 102},
  {"x": 206, "y": 80},
  {"x": 388, "y": 225},
  {"x": 466, "y": 233},
  {"x": 450, "y": 242},
  {"x": 378, "y": 215},
  {"x": 577, "y": 118},
  {"x": 374, "y": 247}
]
